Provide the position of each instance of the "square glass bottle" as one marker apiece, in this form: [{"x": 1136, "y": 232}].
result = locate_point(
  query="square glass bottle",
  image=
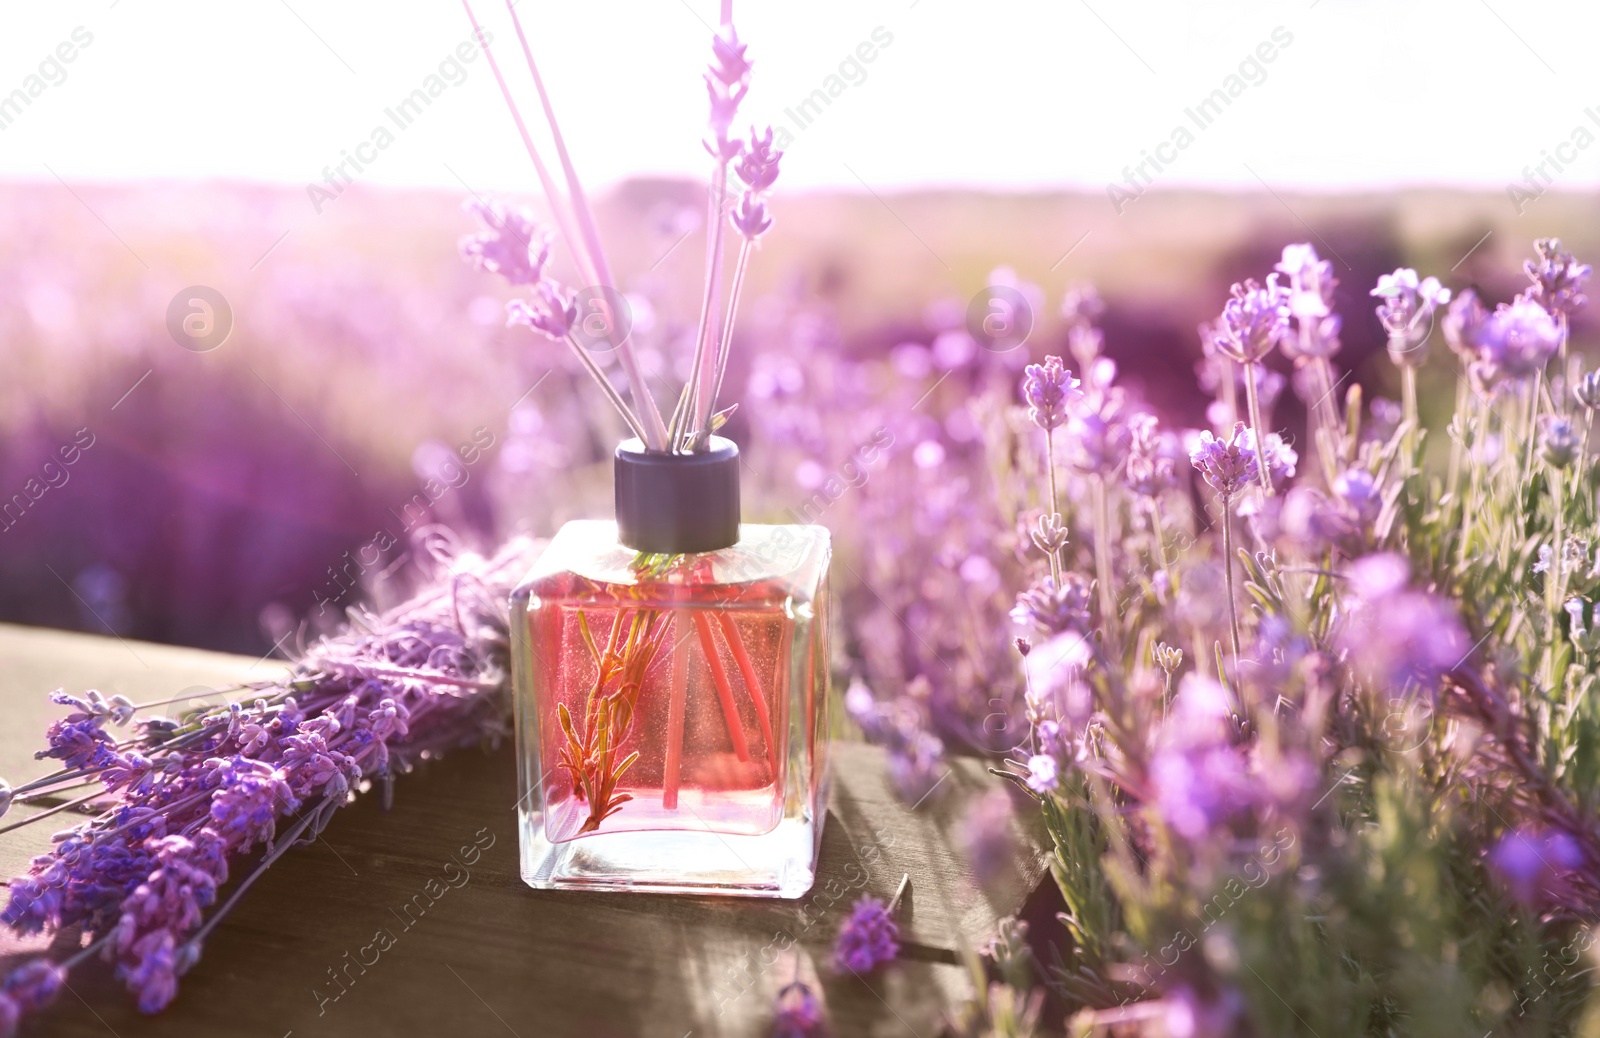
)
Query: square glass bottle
[{"x": 670, "y": 673}]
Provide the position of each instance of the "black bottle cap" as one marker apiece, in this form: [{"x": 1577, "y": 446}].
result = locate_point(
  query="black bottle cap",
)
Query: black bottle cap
[{"x": 676, "y": 504}]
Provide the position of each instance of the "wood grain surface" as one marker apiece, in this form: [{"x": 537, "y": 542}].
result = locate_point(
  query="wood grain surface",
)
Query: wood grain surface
[{"x": 352, "y": 935}]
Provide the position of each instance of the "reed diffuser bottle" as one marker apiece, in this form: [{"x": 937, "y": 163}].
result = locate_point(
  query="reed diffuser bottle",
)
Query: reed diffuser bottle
[
  {"x": 670, "y": 667},
  {"x": 671, "y": 681}
]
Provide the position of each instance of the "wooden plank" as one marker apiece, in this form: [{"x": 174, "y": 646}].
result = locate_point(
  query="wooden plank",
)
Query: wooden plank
[{"x": 325, "y": 943}]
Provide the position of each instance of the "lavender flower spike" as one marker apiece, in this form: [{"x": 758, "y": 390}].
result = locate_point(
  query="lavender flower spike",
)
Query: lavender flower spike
[
  {"x": 1150, "y": 470},
  {"x": 34, "y": 985},
  {"x": 514, "y": 246},
  {"x": 1052, "y": 606},
  {"x": 727, "y": 81},
  {"x": 1280, "y": 458},
  {"x": 1407, "y": 312},
  {"x": 1557, "y": 278},
  {"x": 552, "y": 311},
  {"x": 751, "y": 219},
  {"x": 1585, "y": 392},
  {"x": 1397, "y": 636},
  {"x": 1463, "y": 324},
  {"x": 1228, "y": 465},
  {"x": 1253, "y": 321},
  {"x": 1311, "y": 281},
  {"x": 758, "y": 167},
  {"x": 1043, "y": 775},
  {"x": 1048, "y": 388},
  {"x": 1533, "y": 862},
  {"x": 1558, "y": 440},
  {"x": 1518, "y": 340},
  {"x": 869, "y": 937}
]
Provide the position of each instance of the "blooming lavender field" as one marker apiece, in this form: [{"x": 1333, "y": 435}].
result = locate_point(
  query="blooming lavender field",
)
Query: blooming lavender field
[{"x": 362, "y": 354}]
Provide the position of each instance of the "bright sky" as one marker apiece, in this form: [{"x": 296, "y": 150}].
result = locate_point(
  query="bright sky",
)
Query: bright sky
[{"x": 999, "y": 92}]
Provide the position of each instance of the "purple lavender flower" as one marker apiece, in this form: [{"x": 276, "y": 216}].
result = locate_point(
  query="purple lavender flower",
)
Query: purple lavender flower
[
  {"x": 1281, "y": 458},
  {"x": 799, "y": 1014},
  {"x": 900, "y": 726},
  {"x": 1386, "y": 418},
  {"x": 1098, "y": 436},
  {"x": 1397, "y": 636},
  {"x": 183, "y": 884},
  {"x": 1053, "y": 672},
  {"x": 1463, "y": 324},
  {"x": 914, "y": 764},
  {"x": 1303, "y": 519},
  {"x": 132, "y": 772},
  {"x": 153, "y": 971},
  {"x": 34, "y": 985},
  {"x": 751, "y": 219},
  {"x": 1532, "y": 862},
  {"x": 1311, "y": 282},
  {"x": 1228, "y": 465},
  {"x": 1042, "y": 773},
  {"x": 1151, "y": 470},
  {"x": 1558, "y": 440},
  {"x": 1198, "y": 788},
  {"x": 1254, "y": 321},
  {"x": 1050, "y": 534},
  {"x": 727, "y": 81},
  {"x": 553, "y": 311},
  {"x": 1051, "y": 608},
  {"x": 729, "y": 65},
  {"x": 1047, "y": 389},
  {"x": 1586, "y": 392},
  {"x": 34, "y": 902},
  {"x": 1197, "y": 780},
  {"x": 1575, "y": 625},
  {"x": 1319, "y": 337},
  {"x": 245, "y": 810},
  {"x": 79, "y": 743},
  {"x": 867, "y": 938},
  {"x": 1517, "y": 340},
  {"x": 314, "y": 768},
  {"x": 758, "y": 166},
  {"x": 1359, "y": 492},
  {"x": 1558, "y": 279},
  {"x": 1406, "y": 312},
  {"x": 10, "y": 1016},
  {"x": 514, "y": 246}
]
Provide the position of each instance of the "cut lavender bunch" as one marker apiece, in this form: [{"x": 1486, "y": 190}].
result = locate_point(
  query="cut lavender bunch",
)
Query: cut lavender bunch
[{"x": 181, "y": 801}]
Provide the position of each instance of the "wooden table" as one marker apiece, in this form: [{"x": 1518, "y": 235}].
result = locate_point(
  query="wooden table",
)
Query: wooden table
[{"x": 492, "y": 956}]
